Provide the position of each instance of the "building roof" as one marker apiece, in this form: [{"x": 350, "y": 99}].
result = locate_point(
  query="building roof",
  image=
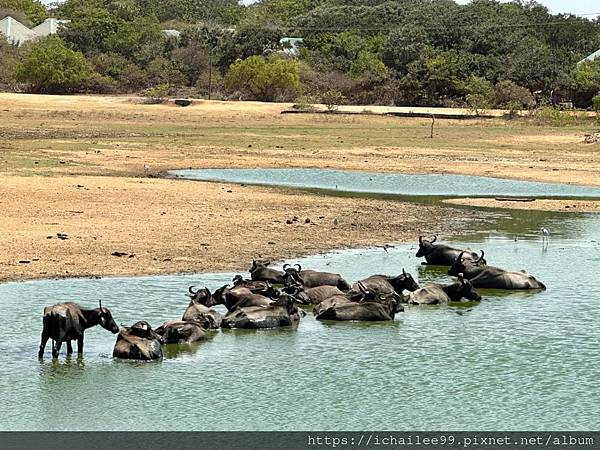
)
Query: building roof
[
  {"x": 291, "y": 45},
  {"x": 591, "y": 57},
  {"x": 16, "y": 33}
]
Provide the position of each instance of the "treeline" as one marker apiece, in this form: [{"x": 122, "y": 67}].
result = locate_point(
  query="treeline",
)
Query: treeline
[{"x": 404, "y": 52}]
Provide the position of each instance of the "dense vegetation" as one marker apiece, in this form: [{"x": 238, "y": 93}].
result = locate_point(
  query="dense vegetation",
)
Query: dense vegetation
[{"x": 406, "y": 52}]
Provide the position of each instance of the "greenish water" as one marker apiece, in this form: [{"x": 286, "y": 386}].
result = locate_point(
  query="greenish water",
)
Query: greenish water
[
  {"x": 517, "y": 361},
  {"x": 389, "y": 183}
]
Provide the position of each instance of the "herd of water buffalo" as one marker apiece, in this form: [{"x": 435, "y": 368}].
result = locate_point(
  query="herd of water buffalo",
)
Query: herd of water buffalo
[{"x": 257, "y": 303}]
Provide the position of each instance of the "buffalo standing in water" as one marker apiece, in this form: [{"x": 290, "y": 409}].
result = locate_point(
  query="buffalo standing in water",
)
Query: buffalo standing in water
[
  {"x": 199, "y": 307},
  {"x": 436, "y": 294},
  {"x": 138, "y": 341},
  {"x": 280, "y": 313},
  {"x": 365, "y": 306},
  {"x": 489, "y": 277},
  {"x": 312, "y": 278},
  {"x": 438, "y": 254},
  {"x": 66, "y": 322}
]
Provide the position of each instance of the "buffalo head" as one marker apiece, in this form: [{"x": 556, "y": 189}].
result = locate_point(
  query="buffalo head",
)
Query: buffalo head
[
  {"x": 106, "y": 320},
  {"x": 466, "y": 289},
  {"x": 462, "y": 261},
  {"x": 201, "y": 296},
  {"x": 425, "y": 246}
]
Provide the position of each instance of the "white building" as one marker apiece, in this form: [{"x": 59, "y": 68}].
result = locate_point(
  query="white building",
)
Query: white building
[{"x": 16, "y": 33}]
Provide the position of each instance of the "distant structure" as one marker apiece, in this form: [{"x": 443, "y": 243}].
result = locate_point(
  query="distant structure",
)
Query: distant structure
[
  {"x": 17, "y": 34},
  {"x": 291, "y": 45},
  {"x": 594, "y": 56}
]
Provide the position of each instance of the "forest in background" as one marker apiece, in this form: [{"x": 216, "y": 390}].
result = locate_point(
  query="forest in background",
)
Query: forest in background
[{"x": 395, "y": 52}]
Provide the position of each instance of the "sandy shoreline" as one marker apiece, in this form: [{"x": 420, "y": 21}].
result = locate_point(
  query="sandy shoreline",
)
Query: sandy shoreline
[{"x": 75, "y": 165}]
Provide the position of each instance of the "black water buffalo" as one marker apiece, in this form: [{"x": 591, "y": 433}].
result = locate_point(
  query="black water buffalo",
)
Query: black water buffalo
[
  {"x": 239, "y": 297},
  {"x": 184, "y": 331},
  {"x": 366, "y": 306},
  {"x": 436, "y": 294},
  {"x": 385, "y": 284},
  {"x": 280, "y": 313},
  {"x": 66, "y": 322},
  {"x": 199, "y": 307},
  {"x": 313, "y": 278},
  {"x": 489, "y": 277},
  {"x": 254, "y": 285},
  {"x": 439, "y": 254},
  {"x": 259, "y": 271},
  {"x": 138, "y": 341}
]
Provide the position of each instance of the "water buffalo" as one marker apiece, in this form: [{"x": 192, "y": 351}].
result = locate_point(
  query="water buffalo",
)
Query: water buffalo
[
  {"x": 261, "y": 272},
  {"x": 184, "y": 331},
  {"x": 438, "y": 254},
  {"x": 366, "y": 306},
  {"x": 436, "y": 294},
  {"x": 280, "y": 313},
  {"x": 199, "y": 307},
  {"x": 385, "y": 284},
  {"x": 313, "y": 278},
  {"x": 253, "y": 285},
  {"x": 489, "y": 277},
  {"x": 66, "y": 322},
  {"x": 238, "y": 297},
  {"x": 138, "y": 341}
]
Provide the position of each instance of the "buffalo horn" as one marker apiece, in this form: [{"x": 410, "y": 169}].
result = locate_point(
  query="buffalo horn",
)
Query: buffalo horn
[
  {"x": 191, "y": 291},
  {"x": 403, "y": 272},
  {"x": 420, "y": 239},
  {"x": 434, "y": 239},
  {"x": 285, "y": 267},
  {"x": 299, "y": 267},
  {"x": 481, "y": 257},
  {"x": 459, "y": 259}
]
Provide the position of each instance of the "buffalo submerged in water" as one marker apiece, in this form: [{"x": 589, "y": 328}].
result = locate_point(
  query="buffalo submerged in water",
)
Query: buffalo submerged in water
[
  {"x": 138, "y": 341},
  {"x": 488, "y": 277},
  {"x": 439, "y": 254}
]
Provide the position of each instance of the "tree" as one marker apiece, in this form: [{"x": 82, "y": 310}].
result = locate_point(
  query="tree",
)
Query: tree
[
  {"x": 258, "y": 78},
  {"x": 8, "y": 56},
  {"x": 49, "y": 66},
  {"x": 34, "y": 10}
]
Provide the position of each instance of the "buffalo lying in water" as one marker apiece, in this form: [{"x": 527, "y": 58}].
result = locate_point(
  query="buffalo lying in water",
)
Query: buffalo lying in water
[
  {"x": 439, "y": 254},
  {"x": 280, "y": 313},
  {"x": 365, "y": 306},
  {"x": 183, "y": 331},
  {"x": 310, "y": 296},
  {"x": 385, "y": 284},
  {"x": 240, "y": 297},
  {"x": 66, "y": 322},
  {"x": 199, "y": 307},
  {"x": 138, "y": 341},
  {"x": 436, "y": 294},
  {"x": 259, "y": 271},
  {"x": 312, "y": 278},
  {"x": 489, "y": 277}
]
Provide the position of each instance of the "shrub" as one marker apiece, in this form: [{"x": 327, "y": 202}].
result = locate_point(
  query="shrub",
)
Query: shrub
[
  {"x": 50, "y": 66},
  {"x": 333, "y": 99},
  {"x": 257, "y": 78},
  {"x": 596, "y": 102},
  {"x": 479, "y": 93},
  {"x": 158, "y": 94},
  {"x": 510, "y": 95}
]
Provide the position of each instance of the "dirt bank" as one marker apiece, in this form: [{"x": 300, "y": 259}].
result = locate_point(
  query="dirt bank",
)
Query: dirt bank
[{"x": 75, "y": 165}]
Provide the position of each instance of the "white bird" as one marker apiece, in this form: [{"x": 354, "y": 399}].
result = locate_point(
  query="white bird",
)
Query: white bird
[{"x": 545, "y": 234}]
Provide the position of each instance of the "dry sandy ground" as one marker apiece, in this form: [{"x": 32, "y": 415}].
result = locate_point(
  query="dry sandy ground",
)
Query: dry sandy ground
[
  {"x": 539, "y": 204},
  {"x": 75, "y": 165}
]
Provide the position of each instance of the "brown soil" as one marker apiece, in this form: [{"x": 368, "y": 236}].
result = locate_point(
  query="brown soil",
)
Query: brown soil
[
  {"x": 539, "y": 204},
  {"x": 75, "y": 165}
]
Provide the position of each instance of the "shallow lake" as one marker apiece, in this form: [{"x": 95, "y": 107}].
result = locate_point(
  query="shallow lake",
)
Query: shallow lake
[
  {"x": 388, "y": 183},
  {"x": 516, "y": 361}
]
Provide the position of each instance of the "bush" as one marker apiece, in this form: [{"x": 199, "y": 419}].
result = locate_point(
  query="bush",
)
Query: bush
[
  {"x": 510, "y": 95},
  {"x": 50, "y": 66},
  {"x": 257, "y": 78},
  {"x": 8, "y": 56},
  {"x": 596, "y": 102},
  {"x": 158, "y": 94},
  {"x": 479, "y": 93},
  {"x": 333, "y": 99}
]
